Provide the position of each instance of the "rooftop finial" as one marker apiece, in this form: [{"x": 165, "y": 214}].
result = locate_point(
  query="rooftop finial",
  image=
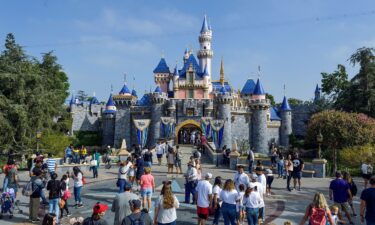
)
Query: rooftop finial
[
  {"x": 125, "y": 78},
  {"x": 111, "y": 88},
  {"x": 162, "y": 53},
  {"x": 133, "y": 81},
  {"x": 222, "y": 71},
  {"x": 93, "y": 94},
  {"x": 258, "y": 71},
  {"x": 284, "y": 90}
]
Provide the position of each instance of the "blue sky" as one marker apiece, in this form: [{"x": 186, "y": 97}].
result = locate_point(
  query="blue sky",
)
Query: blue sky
[{"x": 98, "y": 41}]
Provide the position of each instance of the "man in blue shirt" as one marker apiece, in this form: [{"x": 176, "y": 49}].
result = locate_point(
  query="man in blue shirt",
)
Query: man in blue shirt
[
  {"x": 339, "y": 192},
  {"x": 368, "y": 203},
  {"x": 68, "y": 153}
]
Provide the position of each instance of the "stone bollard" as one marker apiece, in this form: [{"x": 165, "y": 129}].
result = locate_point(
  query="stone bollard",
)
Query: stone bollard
[
  {"x": 233, "y": 160},
  {"x": 319, "y": 166}
]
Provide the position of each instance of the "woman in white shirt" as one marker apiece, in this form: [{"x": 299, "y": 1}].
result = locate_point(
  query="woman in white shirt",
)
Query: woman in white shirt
[
  {"x": 165, "y": 210},
  {"x": 216, "y": 202},
  {"x": 252, "y": 203},
  {"x": 229, "y": 196},
  {"x": 78, "y": 184}
]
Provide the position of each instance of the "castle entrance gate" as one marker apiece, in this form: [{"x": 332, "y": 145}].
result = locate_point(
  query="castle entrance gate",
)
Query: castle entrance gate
[{"x": 187, "y": 132}]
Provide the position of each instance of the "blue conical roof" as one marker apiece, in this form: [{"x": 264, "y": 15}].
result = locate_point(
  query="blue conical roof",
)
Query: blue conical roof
[
  {"x": 110, "y": 106},
  {"x": 222, "y": 90},
  {"x": 125, "y": 90},
  {"x": 205, "y": 26},
  {"x": 94, "y": 101},
  {"x": 317, "y": 89},
  {"x": 205, "y": 72},
  {"x": 158, "y": 90},
  {"x": 162, "y": 67},
  {"x": 258, "y": 90},
  {"x": 285, "y": 105},
  {"x": 134, "y": 93}
]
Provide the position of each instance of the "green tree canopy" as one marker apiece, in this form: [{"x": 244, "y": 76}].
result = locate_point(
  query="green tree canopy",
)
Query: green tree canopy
[{"x": 32, "y": 94}]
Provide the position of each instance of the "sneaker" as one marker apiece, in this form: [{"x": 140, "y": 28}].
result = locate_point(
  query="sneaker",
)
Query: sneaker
[
  {"x": 68, "y": 214},
  {"x": 37, "y": 220},
  {"x": 80, "y": 206}
]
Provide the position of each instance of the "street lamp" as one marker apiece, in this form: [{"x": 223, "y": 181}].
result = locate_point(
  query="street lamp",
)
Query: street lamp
[
  {"x": 319, "y": 139},
  {"x": 38, "y": 137}
]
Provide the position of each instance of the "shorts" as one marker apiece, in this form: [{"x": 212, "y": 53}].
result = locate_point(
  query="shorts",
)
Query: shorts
[
  {"x": 269, "y": 181},
  {"x": 170, "y": 166},
  {"x": 177, "y": 163},
  {"x": 159, "y": 156},
  {"x": 343, "y": 206},
  {"x": 366, "y": 176},
  {"x": 202, "y": 212},
  {"x": 147, "y": 192},
  {"x": 297, "y": 175},
  {"x": 148, "y": 164}
]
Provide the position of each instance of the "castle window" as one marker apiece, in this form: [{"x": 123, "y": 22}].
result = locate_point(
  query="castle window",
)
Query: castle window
[
  {"x": 205, "y": 47},
  {"x": 190, "y": 93}
]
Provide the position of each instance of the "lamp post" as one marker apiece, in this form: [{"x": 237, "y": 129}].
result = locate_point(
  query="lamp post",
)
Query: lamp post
[
  {"x": 319, "y": 139},
  {"x": 38, "y": 137}
]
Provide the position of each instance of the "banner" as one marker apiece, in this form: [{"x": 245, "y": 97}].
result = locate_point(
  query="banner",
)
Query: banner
[
  {"x": 217, "y": 131},
  {"x": 142, "y": 130},
  {"x": 206, "y": 126},
  {"x": 167, "y": 126}
]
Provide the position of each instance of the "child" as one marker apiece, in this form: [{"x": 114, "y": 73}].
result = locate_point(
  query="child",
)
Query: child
[
  {"x": 239, "y": 206},
  {"x": 280, "y": 167},
  {"x": 335, "y": 215}
]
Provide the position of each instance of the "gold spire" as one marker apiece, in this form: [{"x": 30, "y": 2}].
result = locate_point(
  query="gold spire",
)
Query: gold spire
[{"x": 222, "y": 71}]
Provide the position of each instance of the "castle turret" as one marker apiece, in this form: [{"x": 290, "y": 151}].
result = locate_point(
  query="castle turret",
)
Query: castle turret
[
  {"x": 158, "y": 98},
  {"x": 286, "y": 122},
  {"x": 176, "y": 76},
  {"x": 258, "y": 127},
  {"x": 317, "y": 93},
  {"x": 206, "y": 83},
  {"x": 223, "y": 99},
  {"x": 162, "y": 75},
  {"x": 109, "y": 117},
  {"x": 205, "y": 53}
]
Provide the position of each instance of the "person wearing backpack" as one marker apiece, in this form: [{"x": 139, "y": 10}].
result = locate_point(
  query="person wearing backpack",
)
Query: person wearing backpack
[
  {"x": 137, "y": 217},
  {"x": 177, "y": 161},
  {"x": 54, "y": 188},
  {"x": 37, "y": 186},
  {"x": 98, "y": 213},
  {"x": 317, "y": 213},
  {"x": 353, "y": 189},
  {"x": 147, "y": 157}
]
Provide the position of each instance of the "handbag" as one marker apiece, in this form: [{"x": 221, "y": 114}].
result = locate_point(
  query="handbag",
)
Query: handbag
[
  {"x": 62, "y": 203},
  {"x": 94, "y": 162},
  {"x": 66, "y": 195}
]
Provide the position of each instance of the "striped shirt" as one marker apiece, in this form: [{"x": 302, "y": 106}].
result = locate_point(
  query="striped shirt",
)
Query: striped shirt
[{"x": 51, "y": 163}]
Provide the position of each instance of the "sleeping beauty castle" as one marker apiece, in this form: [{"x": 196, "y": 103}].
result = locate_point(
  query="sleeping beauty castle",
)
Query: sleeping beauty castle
[{"x": 188, "y": 99}]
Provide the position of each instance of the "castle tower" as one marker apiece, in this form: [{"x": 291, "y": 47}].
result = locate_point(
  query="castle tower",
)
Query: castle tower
[
  {"x": 157, "y": 98},
  {"x": 176, "y": 76},
  {"x": 72, "y": 104},
  {"x": 258, "y": 126},
  {"x": 317, "y": 93},
  {"x": 162, "y": 75},
  {"x": 205, "y": 53},
  {"x": 109, "y": 117},
  {"x": 223, "y": 99},
  {"x": 206, "y": 83},
  {"x": 222, "y": 79},
  {"x": 286, "y": 122}
]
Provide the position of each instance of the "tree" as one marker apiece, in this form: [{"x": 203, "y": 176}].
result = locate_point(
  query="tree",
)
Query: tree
[
  {"x": 334, "y": 83},
  {"x": 32, "y": 94},
  {"x": 82, "y": 96},
  {"x": 271, "y": 98},
  {"x": 340, "y": 130},
  {"x": 294, "y": 101}
]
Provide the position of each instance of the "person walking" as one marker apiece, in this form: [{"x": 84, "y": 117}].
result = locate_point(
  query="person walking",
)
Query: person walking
[
  {"x": 147, "y": 157},
  {"x": 191, "y": 182},
  {"x": 140, "y": 165},
  {"x": 317, "y": 212},
  {"x": 51, "y": 164},
  {"x": 121, "y": 206},
  {"x": 65, "y": 195},
  {"x": 367, "y": 207},
  {"x": 78, "y": 184},
  {"x": 37, "y": 186},
  {"x": 54, "y": 188},
  {"x": 94, "y": 164},
  {"x": 177, "y": 160},
  {"x": 137, "y": 216},
  {"x": 165, "y": 208},
  {"x": 269, "y": 180},
  {"x": 280, "y": 166},
  {"x": 229, "y": 196},
  {"x": 159, "y": 152},
  {"x": 298, "y": 166},
  {"x": 147, "y": 188},
  {"x": 353, "y": 190},
  {"x": 262, "y": 179},
  {"x": 366, "y": 170},
  {"x": 98, "y": 213},
  {"x": 170, "y": 159},
  {"x": 250, "y": 159},
  {"x": 216, "y": 201},
  {"x": 339, "y": 192},
  {"x": 288, "y": 171},
  {"x": 241, "y": 177},
  {"x": 261, "y": 190},
  {"x": 203, "y": 193},
  {"x": 252, "y": 202},
  {"x": 122, "y": 176}
]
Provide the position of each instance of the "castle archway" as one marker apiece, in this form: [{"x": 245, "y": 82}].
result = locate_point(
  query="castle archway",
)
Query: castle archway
[{"x": 185, "y": 130}]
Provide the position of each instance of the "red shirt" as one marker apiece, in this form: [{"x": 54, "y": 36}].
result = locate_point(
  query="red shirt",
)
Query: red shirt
[
  {"x": 147, "y": 181},
  {"x": 203, "y": 140}
]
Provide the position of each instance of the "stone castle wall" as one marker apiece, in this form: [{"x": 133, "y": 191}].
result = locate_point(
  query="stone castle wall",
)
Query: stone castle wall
[
  {"x": 86, "y": 118},
  {"x": 301, "y": 114}
]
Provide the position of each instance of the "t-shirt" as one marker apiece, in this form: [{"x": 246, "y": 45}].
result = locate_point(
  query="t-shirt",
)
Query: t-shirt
[
  {"x": 253, "y": 201},
  {"x": 121, "y": 206},
  {"x": 159, "y": 149},
  {"x": 91, "y": 221},
  {"x": 239, "y": 200},
  {"x": 166, "y": 216},
  {"x": 147, "y": 156},
  {"x": 140, "y": 165},
  {"x": 54, "y": 188},
  {"x": 68, "y": 151},
  {"x": 368, "y": 195},
  {"x": 261, "y": 190},
  {"x": 147, "y": 181},
  {"x": 340, "y": 190},
  {"x": 241, "y": 179},
  {"x": 216, "y": 190},
  {"x": 297, "y": 165},
  {"x": 229, "y": 197},
  {"x": 51, "y": 163},
  {"x": 78, "y": 180},
  {"x": 262, "y": 179},
  {"x": 204, "y": 188},
  {"x": 146, "y": 219}
]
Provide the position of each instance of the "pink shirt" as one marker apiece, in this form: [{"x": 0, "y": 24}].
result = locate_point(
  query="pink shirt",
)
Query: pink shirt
[{"x": 147, "y": 181}]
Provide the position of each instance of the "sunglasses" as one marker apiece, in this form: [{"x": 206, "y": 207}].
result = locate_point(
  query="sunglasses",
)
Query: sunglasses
[{"x": 167, "y": 182}]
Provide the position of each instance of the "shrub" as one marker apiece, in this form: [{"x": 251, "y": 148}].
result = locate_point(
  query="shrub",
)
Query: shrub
[
  {"x": 354, "y": 156},
  {"x": 88, "y": 138},
  {"x": 55, "y": 143}
]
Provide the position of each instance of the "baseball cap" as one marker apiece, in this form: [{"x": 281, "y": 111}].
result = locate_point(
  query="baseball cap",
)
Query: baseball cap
[
  {"x": 136, "y": 203},
  {"x": 99, "y": 208},
  {"x": 208, "y": 175}
]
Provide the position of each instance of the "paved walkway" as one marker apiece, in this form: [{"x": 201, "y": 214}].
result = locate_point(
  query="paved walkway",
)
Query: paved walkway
[{"x": 281, "y": 206}]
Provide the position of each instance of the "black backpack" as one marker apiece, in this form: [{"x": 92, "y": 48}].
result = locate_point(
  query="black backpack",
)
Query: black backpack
[
  {"x": 147, "y": 156},
  {"x": 353, "y": 188},
  {"x": 137, "y": 221}
]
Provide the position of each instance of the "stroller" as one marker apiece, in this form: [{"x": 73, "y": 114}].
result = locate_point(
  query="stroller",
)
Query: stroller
[{"x": 8, "y": 203}]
